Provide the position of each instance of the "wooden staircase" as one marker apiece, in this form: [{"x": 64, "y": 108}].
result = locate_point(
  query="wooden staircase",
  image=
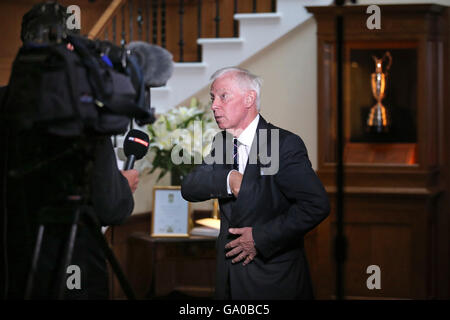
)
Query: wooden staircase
[
  {"x": 203, "y": 36},
  {"x": 173, "y": 24}
]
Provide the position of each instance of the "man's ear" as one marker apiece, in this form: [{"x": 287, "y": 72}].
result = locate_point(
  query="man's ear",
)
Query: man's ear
[{"x": 250, "y": 99}]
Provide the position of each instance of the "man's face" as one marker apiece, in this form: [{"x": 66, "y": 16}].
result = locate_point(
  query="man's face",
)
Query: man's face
[{"x": 228, "y": 102}]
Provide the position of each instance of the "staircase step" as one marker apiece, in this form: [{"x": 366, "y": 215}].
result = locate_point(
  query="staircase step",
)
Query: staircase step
[
  {"x": 221, "y": 51},
  {"x": 160, "y": 93},
  {"x": 179, "y": 68},
  {"x": 258, "y": 16},
  {"x": 190, "y": 65},
  {"x": 191, "y": 68},
  {"x": 219, "y": 41}
]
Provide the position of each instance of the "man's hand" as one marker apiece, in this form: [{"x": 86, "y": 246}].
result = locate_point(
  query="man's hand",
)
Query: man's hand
[
  {"x": 244, "y": 245},
  {"x": 132, "y": 177},
  {"x": 235, "y": 182}
]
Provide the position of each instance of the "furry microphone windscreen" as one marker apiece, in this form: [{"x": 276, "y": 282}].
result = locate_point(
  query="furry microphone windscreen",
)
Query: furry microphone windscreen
[{"x": 156, "y": 62}]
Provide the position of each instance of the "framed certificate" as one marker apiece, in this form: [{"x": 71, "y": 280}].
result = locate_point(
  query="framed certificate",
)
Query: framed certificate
[{"x": 171, "y": 213}]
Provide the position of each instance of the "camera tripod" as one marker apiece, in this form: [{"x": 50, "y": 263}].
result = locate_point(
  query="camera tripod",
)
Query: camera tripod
[{"x": 78, "y": 214}]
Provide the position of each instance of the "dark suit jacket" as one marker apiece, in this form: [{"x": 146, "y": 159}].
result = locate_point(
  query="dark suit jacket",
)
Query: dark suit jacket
[{"x": 281, "y": 208}]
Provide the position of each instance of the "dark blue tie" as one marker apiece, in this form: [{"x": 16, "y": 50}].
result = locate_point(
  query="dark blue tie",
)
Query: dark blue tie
[{"x": 235, "y": 155}]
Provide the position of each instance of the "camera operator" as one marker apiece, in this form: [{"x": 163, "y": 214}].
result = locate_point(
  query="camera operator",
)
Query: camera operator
[{"x": 43, "y": 170}]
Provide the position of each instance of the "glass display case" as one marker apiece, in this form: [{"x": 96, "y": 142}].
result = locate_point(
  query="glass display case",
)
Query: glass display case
[{"x": 396, "y": 140}]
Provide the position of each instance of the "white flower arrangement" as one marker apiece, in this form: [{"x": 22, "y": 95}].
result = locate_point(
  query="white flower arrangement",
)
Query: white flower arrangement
[{"x": 190, "y": 129}]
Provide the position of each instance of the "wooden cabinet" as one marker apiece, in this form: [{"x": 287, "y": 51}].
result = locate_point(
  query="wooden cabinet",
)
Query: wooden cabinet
[
  {"x": 396, "y": 183},
  {"x": 172, "y": 267}
]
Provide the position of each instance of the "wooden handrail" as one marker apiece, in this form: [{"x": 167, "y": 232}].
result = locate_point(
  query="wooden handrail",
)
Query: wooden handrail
[
  {"x": 147, "y": 20},
  {"x": 105, "y": 18}
]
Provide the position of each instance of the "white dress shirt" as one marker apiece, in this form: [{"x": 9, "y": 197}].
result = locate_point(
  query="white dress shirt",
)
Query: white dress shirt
[{"x": 245, "y": 141}]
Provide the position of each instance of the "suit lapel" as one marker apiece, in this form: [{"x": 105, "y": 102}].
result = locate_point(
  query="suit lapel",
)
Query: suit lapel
[
  {"x": 226, "y": 204},
  {"x": 251, "y": 176}
]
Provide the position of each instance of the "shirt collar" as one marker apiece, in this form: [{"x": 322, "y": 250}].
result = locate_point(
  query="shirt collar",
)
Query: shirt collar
[{"x": 246, "y": 137}]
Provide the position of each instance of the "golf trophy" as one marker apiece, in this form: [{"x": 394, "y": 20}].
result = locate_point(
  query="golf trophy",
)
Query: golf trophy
[{"x": 378, "y": 119}]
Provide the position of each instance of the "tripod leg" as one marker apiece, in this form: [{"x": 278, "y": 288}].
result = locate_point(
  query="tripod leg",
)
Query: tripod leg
[
  {"x": 68, "y": 255},
  {"x": 34, "y": 261},
  {"x": 126, "y": 287}
]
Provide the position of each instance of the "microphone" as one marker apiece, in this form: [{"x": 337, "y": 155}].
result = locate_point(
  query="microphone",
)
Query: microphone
[
  {"x": 155, "y": 62},
  {"x": 135, "y": 147}
]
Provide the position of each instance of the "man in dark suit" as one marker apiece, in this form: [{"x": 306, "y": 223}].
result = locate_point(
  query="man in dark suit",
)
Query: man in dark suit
[{"x": 266, "y": 206}]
